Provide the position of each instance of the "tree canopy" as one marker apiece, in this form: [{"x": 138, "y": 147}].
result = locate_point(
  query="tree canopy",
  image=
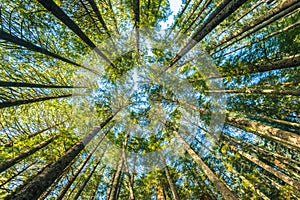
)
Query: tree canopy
[{"x": 135, "y": 100}]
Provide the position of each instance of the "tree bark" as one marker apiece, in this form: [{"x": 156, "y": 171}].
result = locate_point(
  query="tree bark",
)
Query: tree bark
[
  {"x": 226, "y": 8},
  {"x": 79, "y": 169},
  {"x": 34, "y": 85},
  {"x": 268, "y": 168},
  {"x": 44, "y": 180},
  {"x": 9, "y": 163},
  {"x": 264, "y": 130},
  {"x": 115, "y": 181},
  {"x": 27, "y": 101},
  {"x": 87, "y": 179},
  {"x": 51, "y": 6},
  {"x": 227, "y": 194},
  {"x": 256, "y": 91},
  {"x": 280, "y": 8},
  {"x": 170, "y": 181},
  {"x": 136, "y": 10},
  {"x": 32, "y": 47}
]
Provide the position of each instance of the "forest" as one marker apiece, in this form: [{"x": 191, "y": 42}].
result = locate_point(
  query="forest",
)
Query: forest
[{"x": 150, "y": 99}]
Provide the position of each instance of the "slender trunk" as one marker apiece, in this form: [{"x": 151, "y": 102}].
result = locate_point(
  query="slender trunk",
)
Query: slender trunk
[
  {"x": 44, "y": 180},
  {"x": 274, "y": 12},
  {"x": 17, "y": 174},
  {"x": 27, "y": 101},
  {"x": 198, "y": 15},
  {"x": 9, "y": 163},
  {"x": 160, "y": 193},
  {"x": 45, "y": 129},
  {"x": 136, "y": 10},
  {"x": 79, "y": 169},
  {"x": 261, "y": 39},
  {"x": 250, "y": 185},
  {"x": 34, "y": 85},
  {"x": 242, "y": 16},
  {"x": 260, "y": 150},
  {"x": 51, "y": 6},
  {"x": 32, "y": 47},
  {"x": 226, "y": 8},
  {"x": 129, "y": 177},
  {"x": 178, "y": 18},
  {"x": 87, "y": 179},
  {"x": 26, "y": 182},
  {"x": 256, "y": 91},
  {"x": 264, "y": 130},
  {"x": 268, "y": 168},
  {"x": 227, "y": 194},
  {"x": 170, "y": 181},
  {"x": 115, "y": 182},
  {"x": 10, "y": 144}
]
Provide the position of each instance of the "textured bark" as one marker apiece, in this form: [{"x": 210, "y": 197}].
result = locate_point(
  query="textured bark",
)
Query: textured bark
[
  {"x": 9, "y": 163},
  {"x": 32, "y": 47},
  {"x": 227, "y": 194},
  {"x": 136, "y": 10},
  {"x": 34, "y": 85},
  {"x": 198, "y": 15},
  {"x": 170, "y": 181},
  {"x": 79, "y": 169},
  {"x": 160, "y": 193},
  {"x": 257, "y": 91},
  {"x": 44, "y": 180},
  {"x": 226, "y": 8},
  {"x": 261, "y": 39},
  {"x": 268, "y": 131},
  {"x": 129, "y": 178},
  {"x": 259, "y": 150},
  {"x": 87, "y": 179},
  {"x": 274, "y": 12},
  {"x": 250, "y": 185},
  {"x": 27, "y": 101},
  {"x": 268, "y": 168},
  {"x": 116, "y": 181},
  {"x": 17, "y": 174},
  {"x": 242, "y": 16},
  {"x": 98, "y": 14},
  {"x": 51, "y": 6}
]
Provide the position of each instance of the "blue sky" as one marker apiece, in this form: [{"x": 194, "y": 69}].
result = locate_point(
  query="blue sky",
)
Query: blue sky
[{"x": 175, "y": 7}]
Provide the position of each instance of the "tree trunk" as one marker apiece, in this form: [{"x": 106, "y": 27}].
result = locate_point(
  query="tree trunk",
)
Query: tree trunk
[
  {"x": 44, "y": 180},
  {"x": 170, "y": 181},
  {"x": 289, "y": 62},
  {"x": 160, "y": 193},
  {"x": 34, "y": 85},
  {"x": 51, "y": 6},
  {"x": 32, "y": 47},
  {"x": 9, "y": 163},
  {"x": 136, "y": 10},
  {"x": 261, "y": 39},
  {"x": 257, "y": 91},
  {"x": 227, "y": 194},
  {"x": 116, "y": 181},
  {"x": 87, "y": 179},
  {"x": 264, "y": 130},
  {"x": 226, "y": 8},
  {"x": 268, "y": 168},
  {"x": 27, "y": 101},
  {"x": 286, "y": 4},
  {"x": 250, "y": 185},
  {"x": 79, "y": 169}
]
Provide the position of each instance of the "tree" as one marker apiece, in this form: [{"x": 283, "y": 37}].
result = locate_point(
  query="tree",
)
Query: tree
[{"x": 90, "y": 111}]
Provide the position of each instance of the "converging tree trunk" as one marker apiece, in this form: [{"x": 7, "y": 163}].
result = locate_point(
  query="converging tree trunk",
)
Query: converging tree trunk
[{"x": 45, "y": 179}]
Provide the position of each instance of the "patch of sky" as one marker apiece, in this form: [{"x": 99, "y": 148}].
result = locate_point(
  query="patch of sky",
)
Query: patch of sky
[{"x": 175, "y": 6}]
